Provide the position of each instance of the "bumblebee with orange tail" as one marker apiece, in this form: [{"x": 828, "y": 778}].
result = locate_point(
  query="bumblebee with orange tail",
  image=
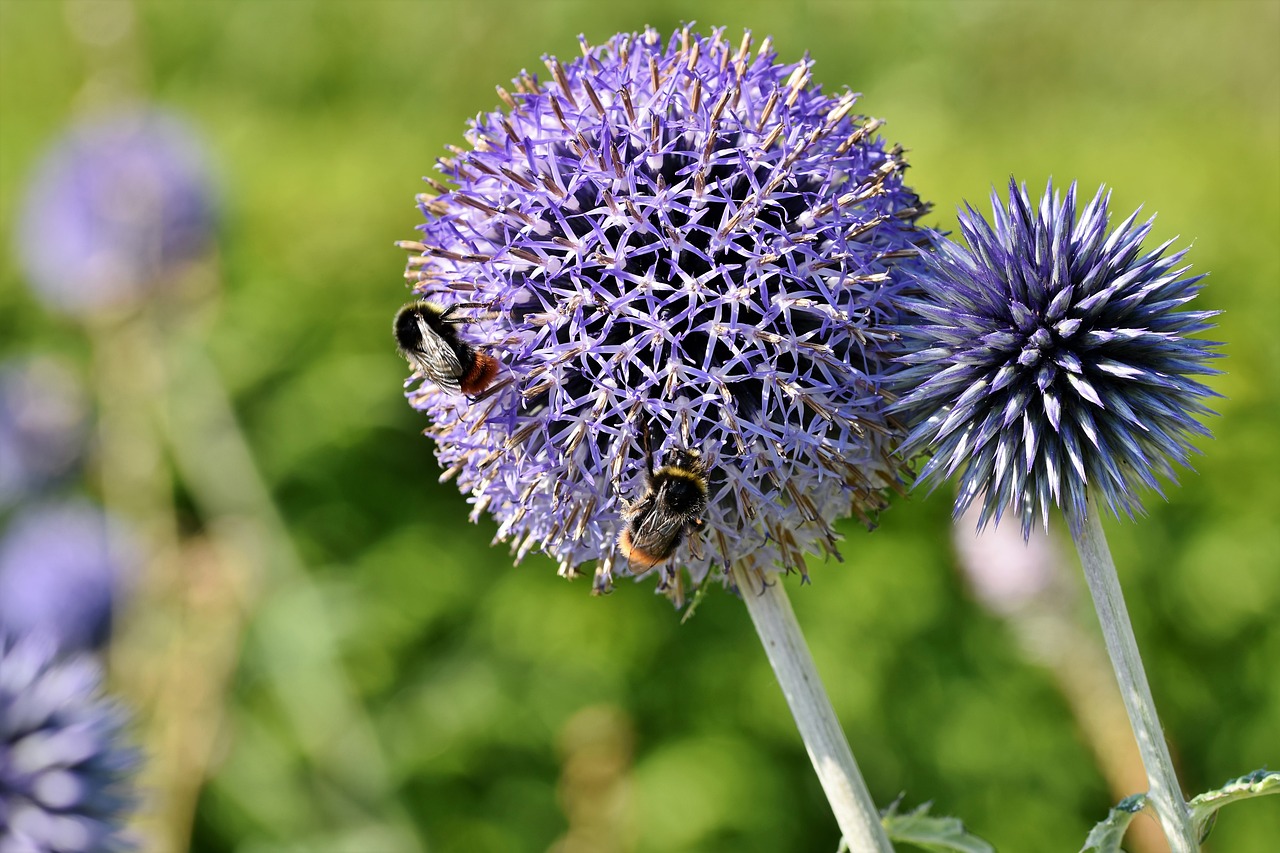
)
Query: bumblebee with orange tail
[
  {"x": 426, "y": 337},
  {"x": 672, "y": 506}
]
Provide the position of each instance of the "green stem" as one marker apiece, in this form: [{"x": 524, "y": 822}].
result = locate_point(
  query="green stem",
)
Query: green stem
[
  {"x": 1100, "y": 574},
  {"x": 292, "y": 628},
  {"x": 824, "y": 740}
]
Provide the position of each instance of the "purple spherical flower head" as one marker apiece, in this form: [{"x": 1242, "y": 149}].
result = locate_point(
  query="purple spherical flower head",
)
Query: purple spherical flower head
[
  {"x": 63, "y": 571},
  {"x": 1051, "y": 361},
  {"x": 43, "y": 420},
  {"x": 115, "y": 206},
  {"x": 687, "y": 239},
  {"x": 64, "y": 765}
]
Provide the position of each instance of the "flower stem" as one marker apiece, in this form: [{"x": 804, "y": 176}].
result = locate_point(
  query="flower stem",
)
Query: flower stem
[
  {"x": 824, "y": 740},
  {"x": 1100, "y": 574}
]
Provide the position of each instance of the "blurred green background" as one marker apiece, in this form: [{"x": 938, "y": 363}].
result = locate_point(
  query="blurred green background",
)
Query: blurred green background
[{"x": 408, "y": 689}]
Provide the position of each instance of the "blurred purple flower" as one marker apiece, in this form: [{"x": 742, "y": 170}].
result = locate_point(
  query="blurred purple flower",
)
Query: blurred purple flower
[
  {"x": 64, "y": 765},
  {"x": 64, "y": 569},
  {"x": 1007, "y": 572},
  {"x": 43, "y": 422},
  {"x": 689, "y": 235},
  {"x": 1052, "y": 360},
  {"x": 115, "y": 205}
]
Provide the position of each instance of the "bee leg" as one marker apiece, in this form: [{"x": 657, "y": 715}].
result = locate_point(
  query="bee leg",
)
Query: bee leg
[
  {"x": 648, "y": 448},
  {"x": 669, "y": 579},
  {"x": 673, "y": 583},
  {"x": 695, "y": 542},
  {"x": 490, "y": 391},
  {"x": 448, "y": 312}
]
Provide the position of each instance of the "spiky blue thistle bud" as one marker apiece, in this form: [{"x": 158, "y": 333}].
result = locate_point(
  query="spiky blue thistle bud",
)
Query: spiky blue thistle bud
[
  {"x": 65, "y": 770},
  {"x": 685, "y": 237},
  {"x": 1052, "y": 360}
]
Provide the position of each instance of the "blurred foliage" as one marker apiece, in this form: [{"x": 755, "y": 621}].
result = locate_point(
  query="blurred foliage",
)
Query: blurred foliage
[{"x": 486, "y": 685}]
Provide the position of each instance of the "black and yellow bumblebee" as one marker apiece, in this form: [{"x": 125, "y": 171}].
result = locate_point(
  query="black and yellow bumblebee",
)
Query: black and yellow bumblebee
[
  {"x": 426, "y": 337},
  {"x": 671, "y": 507}
]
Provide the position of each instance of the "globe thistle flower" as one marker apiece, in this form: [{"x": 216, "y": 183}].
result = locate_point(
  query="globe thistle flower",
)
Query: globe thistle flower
[
  {"x": 64, "y": 569},
  {"x": 43, "y": 422},
  {"x": 64, "y": 766},
  {"x": 116, "y": 205},
  {"x": 687, "y": 239},
  {"x": 1051, "y": 360}
]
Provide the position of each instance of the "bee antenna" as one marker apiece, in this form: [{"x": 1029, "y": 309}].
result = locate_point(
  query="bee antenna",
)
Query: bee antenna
[{"x": 644, "y": 442}]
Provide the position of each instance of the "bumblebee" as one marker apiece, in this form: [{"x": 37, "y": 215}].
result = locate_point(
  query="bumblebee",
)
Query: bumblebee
[
  {"x": 672, "y": 506},
  {"x": 426, "y": 338}
]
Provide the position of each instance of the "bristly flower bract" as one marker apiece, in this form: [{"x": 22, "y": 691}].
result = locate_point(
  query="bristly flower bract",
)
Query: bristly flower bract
[
  {"x": 1051, "y": 361},
  {"x": 65, "y": 768},
  {"x": 687, "y": 232}
]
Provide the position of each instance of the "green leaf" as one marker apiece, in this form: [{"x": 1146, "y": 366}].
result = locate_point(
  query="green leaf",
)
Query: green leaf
[
  {"x": 1204, "y": 808},
  {"x": 939, "y": 834},
  {"x": 1107, "y": 835}
]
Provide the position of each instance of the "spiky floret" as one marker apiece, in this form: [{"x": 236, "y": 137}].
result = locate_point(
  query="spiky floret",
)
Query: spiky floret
[
  {"x": 689, "y": 232},
  {"x": 64, "y": 767},
  {"x": 1050, "y": 360}
]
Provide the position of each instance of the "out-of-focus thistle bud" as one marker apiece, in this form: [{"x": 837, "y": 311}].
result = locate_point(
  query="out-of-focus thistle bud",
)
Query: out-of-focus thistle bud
[
  {"x": 43, "y": 425},
  {"x": 64, "y": 571},
  {"x": 115, "y": 208}
]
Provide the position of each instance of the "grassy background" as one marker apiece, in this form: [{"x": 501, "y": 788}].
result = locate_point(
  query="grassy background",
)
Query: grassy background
[{"x": 495, "y": 693}]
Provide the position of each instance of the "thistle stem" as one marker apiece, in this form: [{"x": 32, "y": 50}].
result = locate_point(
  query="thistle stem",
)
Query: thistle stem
[
  {"x": 775, "y": 622},
  {"x": 1165, "y": 792}
]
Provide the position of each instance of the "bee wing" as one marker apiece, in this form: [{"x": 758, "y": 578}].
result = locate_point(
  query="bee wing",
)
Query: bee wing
[
  {"x": 656, "y": 528},
  {"x": 642, "y": 504},
  {"x": 436, "y": 359}
]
